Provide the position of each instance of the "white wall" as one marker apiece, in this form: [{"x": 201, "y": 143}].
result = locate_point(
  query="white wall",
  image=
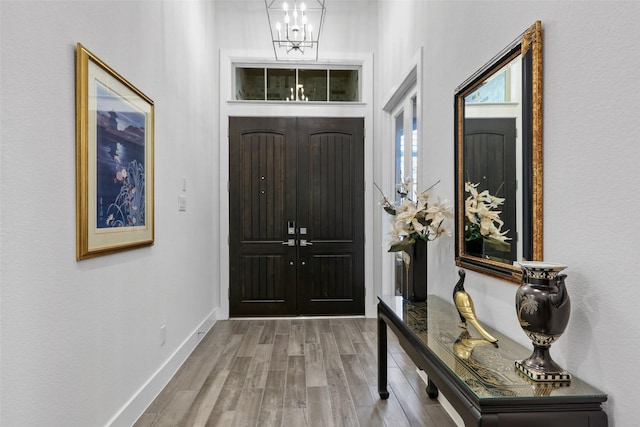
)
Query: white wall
[
  {"x": 80, "y": 339},
  {"x": 591, "y": 156}
]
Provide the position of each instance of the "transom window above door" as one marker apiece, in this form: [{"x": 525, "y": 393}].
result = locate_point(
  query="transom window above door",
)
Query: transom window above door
[{"x": 252, "y": 83}]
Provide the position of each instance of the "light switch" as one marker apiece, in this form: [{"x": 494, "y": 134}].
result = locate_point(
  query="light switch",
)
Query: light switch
[{"x": 182, "y": 203}]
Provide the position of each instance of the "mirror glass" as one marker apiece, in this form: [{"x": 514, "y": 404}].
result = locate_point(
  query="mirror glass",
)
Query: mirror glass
[{"x": 498, "y": 161}]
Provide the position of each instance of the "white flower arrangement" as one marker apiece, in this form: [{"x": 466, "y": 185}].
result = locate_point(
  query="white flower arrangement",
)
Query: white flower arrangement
[
  {"x": 416, "y": 217},
  {"x": 483, "y": 218}
]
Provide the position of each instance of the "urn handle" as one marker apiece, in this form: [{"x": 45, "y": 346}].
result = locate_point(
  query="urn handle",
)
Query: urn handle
[{"x": 559, "y": 297}]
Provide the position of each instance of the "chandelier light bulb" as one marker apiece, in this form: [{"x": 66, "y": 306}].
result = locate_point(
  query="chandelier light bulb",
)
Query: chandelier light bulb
[{"x": 285, "y": 6}]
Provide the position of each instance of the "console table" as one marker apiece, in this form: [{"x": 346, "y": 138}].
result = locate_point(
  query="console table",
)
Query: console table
[{"x": 480, "y": 379}]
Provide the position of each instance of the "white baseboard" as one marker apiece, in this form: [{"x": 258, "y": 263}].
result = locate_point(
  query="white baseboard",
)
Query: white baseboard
[
  {"x": 443, "y": 402},
  {"x": 136, "y": 406}
]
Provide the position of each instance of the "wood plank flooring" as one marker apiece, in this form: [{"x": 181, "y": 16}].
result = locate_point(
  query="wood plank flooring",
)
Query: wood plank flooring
[{"x": 293, "y": 372}]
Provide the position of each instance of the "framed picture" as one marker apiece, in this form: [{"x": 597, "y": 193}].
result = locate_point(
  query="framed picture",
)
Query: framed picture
[{"x": 114, "y": 160}]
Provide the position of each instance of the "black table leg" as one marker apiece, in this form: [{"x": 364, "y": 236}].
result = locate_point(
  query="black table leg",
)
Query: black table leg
[
  {"x": 432, "y": 390},
  {"x": 382, "y": 358}
]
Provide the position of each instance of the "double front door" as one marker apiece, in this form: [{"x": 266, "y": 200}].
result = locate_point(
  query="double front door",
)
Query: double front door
[{"x": 296, "y": 209}]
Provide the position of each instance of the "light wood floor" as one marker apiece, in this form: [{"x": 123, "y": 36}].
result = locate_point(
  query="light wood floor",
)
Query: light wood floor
[{"x": 297, "y": 372}]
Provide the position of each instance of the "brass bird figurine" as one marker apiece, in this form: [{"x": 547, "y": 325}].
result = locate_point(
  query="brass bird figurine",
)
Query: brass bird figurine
[{"x": 464, "y": 304}]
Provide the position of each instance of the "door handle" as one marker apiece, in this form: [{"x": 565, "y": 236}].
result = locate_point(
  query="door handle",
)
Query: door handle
[
  {"x": 304, "y": 242},
  {"x": 290, "y": 242}
]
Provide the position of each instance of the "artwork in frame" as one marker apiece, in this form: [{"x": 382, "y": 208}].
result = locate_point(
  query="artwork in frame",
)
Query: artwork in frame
[{"x": 114, "y": 160}]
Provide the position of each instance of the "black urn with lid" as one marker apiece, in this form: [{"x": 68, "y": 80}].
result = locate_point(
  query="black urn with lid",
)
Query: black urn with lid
[{"x": 543, "y": 307}]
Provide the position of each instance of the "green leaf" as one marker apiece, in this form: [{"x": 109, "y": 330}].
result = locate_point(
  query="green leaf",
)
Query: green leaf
[{"x": 402, "y": 245}]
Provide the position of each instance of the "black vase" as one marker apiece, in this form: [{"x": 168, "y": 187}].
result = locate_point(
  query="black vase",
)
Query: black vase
[
  {"x": 474, "y": 247},
  {"x": 414, "y": 287},
  {"x": 543, "y": 307}
]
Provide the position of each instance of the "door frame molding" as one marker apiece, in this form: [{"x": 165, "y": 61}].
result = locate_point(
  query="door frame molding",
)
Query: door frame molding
[
  {"x": 410, "y": 82},
  {"x": 229, "y": 107}
]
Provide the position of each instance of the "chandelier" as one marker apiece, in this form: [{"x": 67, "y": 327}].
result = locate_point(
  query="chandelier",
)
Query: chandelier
[{"x": 295, "y": 28}]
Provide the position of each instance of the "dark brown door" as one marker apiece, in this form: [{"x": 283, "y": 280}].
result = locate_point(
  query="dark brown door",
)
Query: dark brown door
[
  {"x": 296, "y": 216},
  {"x": 262, "y": 198},
  {"x": 491, "y": 144}
]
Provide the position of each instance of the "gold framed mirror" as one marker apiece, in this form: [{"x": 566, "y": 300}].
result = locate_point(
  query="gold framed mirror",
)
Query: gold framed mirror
[{"x": 498, "y": 157}]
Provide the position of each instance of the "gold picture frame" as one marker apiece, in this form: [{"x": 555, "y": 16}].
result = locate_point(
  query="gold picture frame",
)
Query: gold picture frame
[
  {"x": 526, "y": 226},
  {"x": 114, "y": 160}
]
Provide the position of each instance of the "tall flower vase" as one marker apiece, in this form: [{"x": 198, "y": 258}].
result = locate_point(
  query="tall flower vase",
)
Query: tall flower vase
[
  {"x": 414, "y": 287},
  {"x": 474, "y": 247},
  {"x": 543, "y": 308}
]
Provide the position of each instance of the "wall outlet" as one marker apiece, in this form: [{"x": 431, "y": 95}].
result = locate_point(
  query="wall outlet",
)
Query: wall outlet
[
  {"x": 163, "y": 335},
  {"x": 182, "y": 203}
]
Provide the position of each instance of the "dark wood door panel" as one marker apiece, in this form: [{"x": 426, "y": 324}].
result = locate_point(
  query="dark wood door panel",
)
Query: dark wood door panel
[
  {"x": 331, "y": 198},
  {"x": 331, "y": 209},
  {"x": 262, "y": 157},
  {"x": 262, "y": 178},
  {"x": 329, "y": 287},
  {"x": 262, "y": 286}
]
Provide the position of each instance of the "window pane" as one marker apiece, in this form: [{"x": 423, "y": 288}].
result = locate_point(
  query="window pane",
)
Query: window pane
[
  {"x": 494, "y": 90},
  {"x": 399, "y": 267},
  {"x": 414, "y": 145},
  {"x": 344, "y": 85},
  {"x": 312, "y": 85},
  {"x": 399, "y": 150},
  {"x": 281, "y": 84},
  {"x": 250, "y": 84}
]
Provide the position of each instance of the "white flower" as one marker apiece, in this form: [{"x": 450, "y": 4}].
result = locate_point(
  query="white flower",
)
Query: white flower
[
  {"x": 471, "y": 188},
  {"x": 480, "y": 210},
  {"x": 439, "y": 211},
  {"x": 423, "y": 198}
]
